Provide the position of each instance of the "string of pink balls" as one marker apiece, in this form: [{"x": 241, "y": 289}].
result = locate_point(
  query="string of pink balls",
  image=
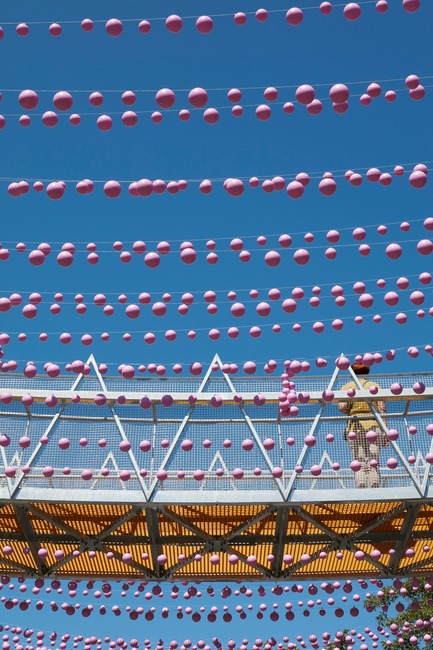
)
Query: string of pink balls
[
  {"x": 205, "y": 24},
  {"x": 165, "y": 98}
]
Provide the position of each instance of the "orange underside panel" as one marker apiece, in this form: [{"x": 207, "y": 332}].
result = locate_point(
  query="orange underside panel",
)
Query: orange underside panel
[{"x": 115, "y": 540}]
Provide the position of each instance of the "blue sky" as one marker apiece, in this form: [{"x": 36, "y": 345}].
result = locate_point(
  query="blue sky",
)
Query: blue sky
[{"x": 323, "y": 50}]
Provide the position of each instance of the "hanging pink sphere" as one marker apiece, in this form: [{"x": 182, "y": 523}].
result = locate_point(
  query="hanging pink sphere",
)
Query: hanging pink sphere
[
  {"x": 263, "y": 112},
  {"x": 75, "y": 119},
  {"x": 87, "y": 25},
  {"x": 411, "y": 5},
  {"x": 205, "y": 186},
  {"x": 174, "y": 23},
  {"x": 340, "y": 108},
  {"x": 211, "y": 115},
  {"x": 325, "y": 8},
  {"x": 374, "y": 90},
  {"x": 288, "y": 108},
  {"x": 315, "y": 108},
  {"x": 327, "y": 186},
  {"x": 188, "y": 255},
  {"x": 352, "y": 11},
  {"x": 63, "y": 100},
  {"x": 272, "y": 258},
  {"x": 417, "y": 93},
  {"x": 113, "y": 27},
  {"x": 112, "y": 189},
  {"x": 129, "y": 118},
  {"x": 144, "y": 26},
  {"x": 55, "y": 190},
  {"x": 382, "y": 6},
  {"x": 235, "y": 187},
  {"x": 305, "y": 94},
  {"x": 412, "y": 81},
  {"x": 339, "y": 93},
  {"x": 96, "y": 99},
  {"x": 204, "y": 24},
  {"x": 390, "y": 95},
  {"x": 301, "y": 256},
  {"x": 237, "y": 309},
  {"x": 28, "y": 99},
  {"x": 295, "y": 189},
  {"x": 270, "y": 94},
  {"x": 198, "y": 97},
  {"x": 104, "y": 122},
  {"x": 365, "y": 99},
  {"x": 424, "y": 247},
  {"x": 132, "y": 311},
  {"x": 240, "y": 18},
  {"x": 294, "y": 16},
  {"x": 418, "y": 179},
  {"x": 165, "y": 98},
  {"x": 318, "y": 327},
  {"x": 394, "y": 251},
  {"x": 129, "y": 97}
]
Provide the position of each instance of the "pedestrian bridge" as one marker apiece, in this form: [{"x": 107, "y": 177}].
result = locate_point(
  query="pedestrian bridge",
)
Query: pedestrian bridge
[{"x": 201, "y": 478}]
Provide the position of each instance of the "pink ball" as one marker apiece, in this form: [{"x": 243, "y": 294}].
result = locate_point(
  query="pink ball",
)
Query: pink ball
[
  {"x": 28, "y": 99},
  {"x": 394, "y": 251},
  {"x": 96, "y": 99},
  {"x": 412, "y": 81},
  {"x": 174, "y": 23},
  {"x": 240, "y": 18},
  {"x": 325, "y": 8},
  {"x": 294, "y": 16},
  {"x": 144, "y": 26},
  {"x": 411, "y": 5},
  {"x": 301, "y": 256},
  {"x": 315, "y": 107},
  {"x": 263, "y": 112},
  {"x": 211, "y": 115},
  {"x": 425, "y": 247},
  {"x": 129, "y": 118},
  {"x": 295, "y": 189},
  {"x": 305, "y": 94},
  {"x": 87, "y": 25},
  {"x": 165, "y": 98},
  {"x": 235, "y": 187},
  {"x": 113, "y": 27},
  {"x": 204, "y": 24},
  {"x": 374, "y": 90},
  {"x": 327, "y": 186},
  {"x": 198, "y": 97},
  {"x": 104, "y": 122},
  {"x": 112, "y": 189},
  {"x": 339, "y": 93},
  {"x": 352, "y": 11},
  {"x": 272, "y": 258},
  {"x": 418, "y": 179},
  {"x": 417, "y": 93},
  {"x": 55, "y": 190}
]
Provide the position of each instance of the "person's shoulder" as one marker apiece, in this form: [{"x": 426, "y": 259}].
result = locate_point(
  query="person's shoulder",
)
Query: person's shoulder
[{"x": 350, "y": 384}]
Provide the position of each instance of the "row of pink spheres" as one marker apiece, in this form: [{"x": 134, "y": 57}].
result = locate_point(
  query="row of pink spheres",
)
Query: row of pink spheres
[
  {"x": 198, "y": 98},
  {"x": 227, "y": 617},
  {"x": 196, "y": 368},
  {"x": 210, "y": 297},
  {"x": 188, "y": 255},
  {"x": 348, "y": 636},
  {"x": 233, "y": 186},
  {"x": 236, "y": 244},
  {"x": 205, "y": 24},
  {"x": 237, "y": 309},
  {"x": 211, "y": 115}
]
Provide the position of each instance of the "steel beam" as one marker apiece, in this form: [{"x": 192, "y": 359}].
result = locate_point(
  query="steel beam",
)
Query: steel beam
[{"x": 405, "y": 534}]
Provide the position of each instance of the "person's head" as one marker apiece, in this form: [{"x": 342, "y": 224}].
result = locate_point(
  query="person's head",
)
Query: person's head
[{"x": 360, "y": 368}]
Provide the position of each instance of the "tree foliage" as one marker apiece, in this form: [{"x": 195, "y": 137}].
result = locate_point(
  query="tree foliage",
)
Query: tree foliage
[{"x": 406, "y": 609}]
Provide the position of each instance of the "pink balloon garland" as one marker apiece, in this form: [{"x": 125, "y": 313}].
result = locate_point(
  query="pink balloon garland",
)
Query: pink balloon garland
[{"x": 204, "y": 24}]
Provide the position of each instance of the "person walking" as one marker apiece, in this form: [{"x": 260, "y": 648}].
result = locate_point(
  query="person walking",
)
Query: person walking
[{"x": 369, "y": 438}]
